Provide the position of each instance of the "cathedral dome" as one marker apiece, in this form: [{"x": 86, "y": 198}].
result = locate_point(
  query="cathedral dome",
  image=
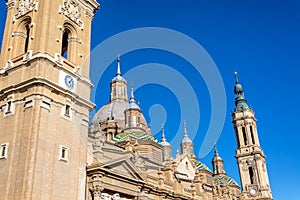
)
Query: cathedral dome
[{"x": 113, "y": 109}]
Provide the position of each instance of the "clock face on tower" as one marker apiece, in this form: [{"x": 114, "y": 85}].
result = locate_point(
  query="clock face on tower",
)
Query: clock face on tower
[{"x": 69, "y": 82}]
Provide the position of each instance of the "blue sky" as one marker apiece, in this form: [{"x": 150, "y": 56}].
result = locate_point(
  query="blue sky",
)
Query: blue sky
[{"x": 259, "y": 39}]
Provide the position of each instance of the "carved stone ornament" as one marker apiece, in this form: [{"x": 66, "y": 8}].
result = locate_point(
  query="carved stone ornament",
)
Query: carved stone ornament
[
  {"x": 71, "y": 9},
  {"x": 27, "y": 56},
  {"x": 24, "y": 7},
  {"x": 116, "y": 196}
]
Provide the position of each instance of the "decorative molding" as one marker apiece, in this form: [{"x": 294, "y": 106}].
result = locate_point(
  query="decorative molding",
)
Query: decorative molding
[
  {"x": 71, "y": 9},
  {"x": 24, "y": 7},
  {"x": 207, "y": 187},
  {"x": 10, "y": 4},
  {"x": 72, "y": 39},
  {"x": 116, "y": 196},
  {"x": 77, "y": 70},
  {"x": 89, "y": 14},
  {"x": 58, "y": 59},
  {"x": 27, "y": 56},
  {"x": 20, "y": 34},
  {"x": 9, "y": 64}
]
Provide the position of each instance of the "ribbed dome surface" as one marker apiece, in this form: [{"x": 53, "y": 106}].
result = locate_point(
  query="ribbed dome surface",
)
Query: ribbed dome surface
[{"x": 113, "y": 109}]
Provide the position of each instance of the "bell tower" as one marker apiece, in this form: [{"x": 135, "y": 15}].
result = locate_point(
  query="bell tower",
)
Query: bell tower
[
  {"x": 250, "y": 156},
  {"x": 44, "y": 99}
]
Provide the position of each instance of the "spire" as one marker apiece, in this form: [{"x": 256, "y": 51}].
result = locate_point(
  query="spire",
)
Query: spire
[
  {"x": 216, "y": 154},
  {"x": 185, "y": 138},
  {"x": 216, "y": 150},
  {"x": 164, "y": 141},
  {"x": 119, "y": 66},
  {"x": 163, "y": 137},
  {"x": 236, "y": 77},
  {"x": 177, "y": 153},
  {"x": 132, "y": 100},
  {"x": 118, "y": 91},
  {"x": 218, "y": 163},
  {"x": 240, "y": 100},
  {"x": 184, "y": 126}
]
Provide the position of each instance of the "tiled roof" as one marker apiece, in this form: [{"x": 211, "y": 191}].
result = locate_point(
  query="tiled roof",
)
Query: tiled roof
[
  {"x": 201, "y": 166},
  {"x": 224, "y": 180},
  {"x": 136, "y": 135}
]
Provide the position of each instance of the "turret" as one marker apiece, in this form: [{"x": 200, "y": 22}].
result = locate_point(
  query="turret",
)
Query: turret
[
  {"x": 166, "y": 145},
  {"x": 118, "y": 85},
  {"x": 187, "y": 146},
  {"x": 218, "y": 163}
]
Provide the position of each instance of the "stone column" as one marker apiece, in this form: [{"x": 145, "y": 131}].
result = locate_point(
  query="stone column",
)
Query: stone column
[{"x": 95, "y": 186}]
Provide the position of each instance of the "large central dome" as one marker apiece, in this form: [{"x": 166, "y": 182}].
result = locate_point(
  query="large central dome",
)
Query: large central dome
[{"x": 112, "y": 110}]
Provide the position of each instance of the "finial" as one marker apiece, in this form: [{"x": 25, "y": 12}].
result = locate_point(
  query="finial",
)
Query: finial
[
  {"x": 236, "y": 77},
  {"x": 184, "y": 126},
  {"x": 163, "y": 137},
  {"x": 177, "y": 153},
  {"x": 132, "y": 95},
  {"x": 215, "y": 148},
  {"x": 119, "y": 65}
]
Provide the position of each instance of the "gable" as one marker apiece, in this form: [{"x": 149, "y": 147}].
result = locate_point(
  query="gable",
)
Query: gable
[
  {"x": 124, "y": 167},
  {"x": 186, "y": 166}
]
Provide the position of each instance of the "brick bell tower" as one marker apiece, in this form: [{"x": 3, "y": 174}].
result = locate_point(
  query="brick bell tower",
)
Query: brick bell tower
[
  {"x": 44, "y": 99},
  {"x": 250, "y": 156}
]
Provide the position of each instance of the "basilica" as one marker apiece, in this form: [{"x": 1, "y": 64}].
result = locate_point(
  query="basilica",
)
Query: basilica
[{"x": 50, "y": 150}]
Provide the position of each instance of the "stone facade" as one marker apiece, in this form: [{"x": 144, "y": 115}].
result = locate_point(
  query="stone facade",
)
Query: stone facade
[{"x": 48, "y": 150}]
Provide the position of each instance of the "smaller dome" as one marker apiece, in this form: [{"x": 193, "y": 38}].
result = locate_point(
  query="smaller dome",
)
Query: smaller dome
[
  {"x": 165, "y": 143},
  {"x": 186, "y": 139},
  {"x": 118, "y": 78},
  {"x": 238, "y": 88},
  {"x": 217, "y": 158},
  {"x": 132, "y": 105}
]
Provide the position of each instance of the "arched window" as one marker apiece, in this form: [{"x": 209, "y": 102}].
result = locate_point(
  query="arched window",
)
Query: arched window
[
  {"x": 244, "y": 136},
  {"x": 217, "y": 169},
  {"x": 129, "y": 121},
  {"x": 115, "y": 92},
  {"x": 237, "y": 137},
  {"x": 252, "y": 135},
  {"x": 27, "y": 37},
  {"x": 69, "y": 42},
  {"x": 139, "y": 120},
  {"x": 251, "y": 175},
  {"x": 65, "y": 44},
  {"x": 21, "y": 37}
]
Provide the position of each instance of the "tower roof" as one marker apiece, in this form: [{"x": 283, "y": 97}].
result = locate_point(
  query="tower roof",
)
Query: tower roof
[
  {"x": 216, "y": 157},
  {"x": 185, "y": 138},
  {"x": 118, "y": 76},
  {"x": 240, "y": 100},
  {"x": 132, "y": 102},
  {"x": 163, "y": 137}
]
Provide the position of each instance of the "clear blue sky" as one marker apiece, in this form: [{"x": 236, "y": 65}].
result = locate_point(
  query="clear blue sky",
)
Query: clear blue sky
[{"x": 260, "y": 39}]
